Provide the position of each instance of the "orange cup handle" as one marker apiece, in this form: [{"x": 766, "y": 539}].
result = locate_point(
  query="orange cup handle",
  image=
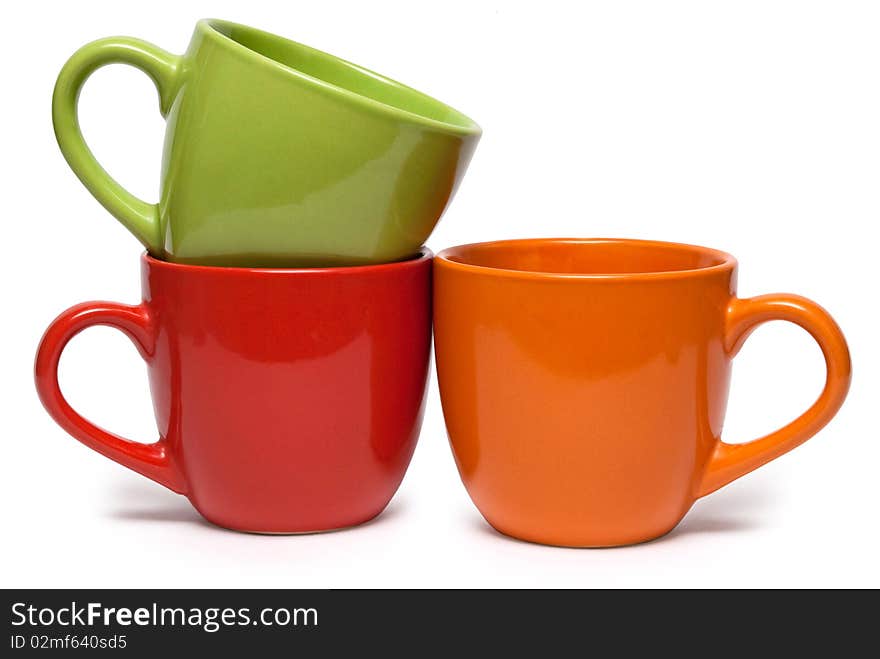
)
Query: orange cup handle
[
  {"x": 730, "y": 461},
  {"x": 152, "y": 460}
]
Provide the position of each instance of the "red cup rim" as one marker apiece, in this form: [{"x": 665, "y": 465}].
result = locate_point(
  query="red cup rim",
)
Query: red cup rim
[{"x": 423, "y": 255}]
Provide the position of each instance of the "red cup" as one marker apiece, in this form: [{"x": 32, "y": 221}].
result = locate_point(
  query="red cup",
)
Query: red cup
[{"x": 287, "y": 401}]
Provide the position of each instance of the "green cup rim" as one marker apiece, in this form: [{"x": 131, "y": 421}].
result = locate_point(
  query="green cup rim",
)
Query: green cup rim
[{"x": 211, "y": 28}]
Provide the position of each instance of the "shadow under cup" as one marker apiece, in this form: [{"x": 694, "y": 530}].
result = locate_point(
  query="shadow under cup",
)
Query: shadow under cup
[
  {"x": 287, "y": 400},
  {"x": 584, "y": 382}
]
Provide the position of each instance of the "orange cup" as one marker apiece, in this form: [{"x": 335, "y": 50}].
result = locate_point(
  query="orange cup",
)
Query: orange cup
[{"x": 584, "y": 382}]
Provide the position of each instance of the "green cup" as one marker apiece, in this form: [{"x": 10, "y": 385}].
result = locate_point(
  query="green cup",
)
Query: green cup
[{"x": 276, "y": 154}]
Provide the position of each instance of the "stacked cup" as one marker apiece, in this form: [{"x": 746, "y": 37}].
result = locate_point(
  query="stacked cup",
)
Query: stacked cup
[{"x": 286, "y": 313}]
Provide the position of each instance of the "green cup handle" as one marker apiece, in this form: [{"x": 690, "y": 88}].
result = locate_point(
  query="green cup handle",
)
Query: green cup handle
[{"x": 141, "y": 218}]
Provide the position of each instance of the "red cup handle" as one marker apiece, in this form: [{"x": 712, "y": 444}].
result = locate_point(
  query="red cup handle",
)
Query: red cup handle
[
  {"x": 730, "y": 461},
  {"x": 154, "y": 461}
]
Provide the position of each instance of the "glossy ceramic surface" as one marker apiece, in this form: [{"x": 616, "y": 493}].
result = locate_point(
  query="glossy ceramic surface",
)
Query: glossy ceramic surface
[
  {"x": 276, "y": 154},
  {"x": 286, "y": 400},
  {"x": 584, "y": 382}
]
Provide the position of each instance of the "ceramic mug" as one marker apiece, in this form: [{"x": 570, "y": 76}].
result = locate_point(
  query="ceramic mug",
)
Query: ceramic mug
[
  {"x": 276, "y": 154},
  {"x": 287, "y": 401},
  {"x": 584, "y": 382}
]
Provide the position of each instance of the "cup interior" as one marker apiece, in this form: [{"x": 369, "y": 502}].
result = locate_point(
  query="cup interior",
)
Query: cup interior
[
  {"x": 588, "y": 257},
  {"x": 340, "y": 74}
]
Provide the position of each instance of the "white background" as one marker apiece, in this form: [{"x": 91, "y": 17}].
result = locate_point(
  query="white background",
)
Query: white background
[{"x": 753, "y": 127}]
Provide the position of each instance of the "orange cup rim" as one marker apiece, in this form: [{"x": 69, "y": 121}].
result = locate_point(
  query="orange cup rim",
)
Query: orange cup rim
[{"x": 724, "y": 261}]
